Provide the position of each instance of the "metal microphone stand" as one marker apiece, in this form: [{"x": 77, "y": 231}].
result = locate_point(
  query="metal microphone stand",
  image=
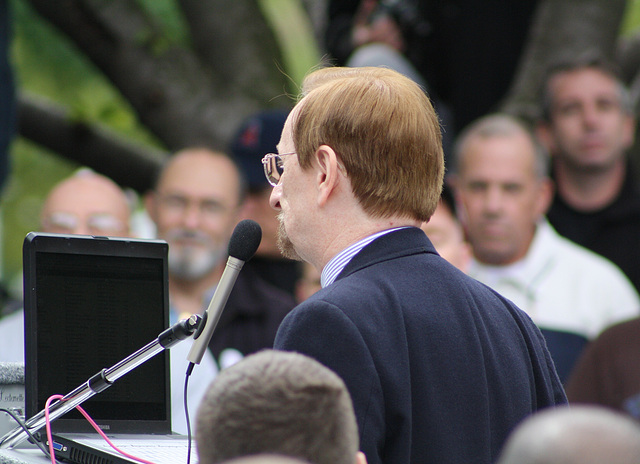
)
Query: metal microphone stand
[{"x": 104, "y": 379}]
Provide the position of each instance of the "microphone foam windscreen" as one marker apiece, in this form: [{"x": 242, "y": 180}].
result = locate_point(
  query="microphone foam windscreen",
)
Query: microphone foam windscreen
[{"x": 245, "y": 240}]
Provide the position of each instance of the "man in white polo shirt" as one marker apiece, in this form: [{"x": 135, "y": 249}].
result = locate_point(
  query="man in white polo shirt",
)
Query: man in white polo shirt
[{"x": 503, "y": 189}]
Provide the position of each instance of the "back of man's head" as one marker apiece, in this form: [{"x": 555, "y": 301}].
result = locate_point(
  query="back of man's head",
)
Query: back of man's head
[
  {"x": 385, "y": 131},
  {"x": 266, "y": 459},
  {"x": 574, "y": 435},
  {"x": 281, "y": 403}
]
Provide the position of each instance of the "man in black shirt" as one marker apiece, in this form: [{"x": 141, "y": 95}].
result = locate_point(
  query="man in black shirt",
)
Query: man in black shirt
[{"x": 588, "y": 126}]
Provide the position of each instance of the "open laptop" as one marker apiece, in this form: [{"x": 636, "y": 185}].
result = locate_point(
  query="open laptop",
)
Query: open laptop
[{"x": 89, "y": 303}]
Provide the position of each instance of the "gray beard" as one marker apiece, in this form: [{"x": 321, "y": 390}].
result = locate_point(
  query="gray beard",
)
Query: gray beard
[{"x": 187, "y": 263}]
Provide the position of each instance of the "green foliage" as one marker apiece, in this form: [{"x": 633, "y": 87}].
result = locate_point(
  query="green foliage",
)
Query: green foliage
[
  {"x": 631, "y": 21},
  {"x": 34, "y": 172},
  {"x": 167, "y": 15},
  {"x": 294, "y": 34},
  {"x": 46, "y": 63}
]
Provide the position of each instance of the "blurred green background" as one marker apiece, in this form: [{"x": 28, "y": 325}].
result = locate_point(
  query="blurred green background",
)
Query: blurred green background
[{"x": 49, "y": 65}]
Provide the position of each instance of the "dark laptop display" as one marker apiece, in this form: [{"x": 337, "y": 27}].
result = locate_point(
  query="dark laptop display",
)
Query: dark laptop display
[{"x": 89, "y": 303}]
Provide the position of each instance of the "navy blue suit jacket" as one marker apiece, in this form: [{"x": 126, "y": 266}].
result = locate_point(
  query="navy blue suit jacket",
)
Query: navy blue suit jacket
[{"x": 439, "y": 366}]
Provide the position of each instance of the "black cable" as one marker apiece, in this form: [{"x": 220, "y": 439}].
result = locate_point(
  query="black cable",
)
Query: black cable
[
  {"x": 186, "y": 410},
  {"x": 32, "y": 437}
]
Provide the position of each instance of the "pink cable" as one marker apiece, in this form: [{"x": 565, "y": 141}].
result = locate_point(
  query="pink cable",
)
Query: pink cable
[
  {"x": 93, "y": 424},
  {"x": 48, "y": 425}
]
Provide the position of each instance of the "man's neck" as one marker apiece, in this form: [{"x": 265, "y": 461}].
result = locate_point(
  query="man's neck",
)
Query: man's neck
[
  {"x": 187, "y": 296},
  {"x": 589, "y": 191},
  {"x": 347, "y": 236}
]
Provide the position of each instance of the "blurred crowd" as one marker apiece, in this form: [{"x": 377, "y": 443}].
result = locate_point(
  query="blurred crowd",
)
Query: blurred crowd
[{"x": 547, "y": 216}]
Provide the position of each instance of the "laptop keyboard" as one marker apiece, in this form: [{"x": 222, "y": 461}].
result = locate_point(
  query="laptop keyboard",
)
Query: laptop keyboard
[
  {"x": 161, "y": 453},
  {"x": 170, "y": 451}
]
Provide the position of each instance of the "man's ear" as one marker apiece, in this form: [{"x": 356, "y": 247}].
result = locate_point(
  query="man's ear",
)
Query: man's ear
[
  {"x": 328, "y": 172},
  {"x": 451, "y": 181},
  {"x": 629, "y": 131},
  {"x": 361, "y": 458},
  {"x": 543, "y": 133},
  {"x": 149, "y": 204},
  {"x": 455, "y": 184},
  {"x": 545, "y": 197}
]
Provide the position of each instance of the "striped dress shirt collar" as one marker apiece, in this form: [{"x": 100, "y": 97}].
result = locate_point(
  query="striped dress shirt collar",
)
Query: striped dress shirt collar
[{"x": 335, "y": 266}]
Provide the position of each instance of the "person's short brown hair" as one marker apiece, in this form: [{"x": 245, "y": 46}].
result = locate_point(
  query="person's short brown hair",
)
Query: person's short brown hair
[
  {"x": 266, "y": 459},
  {"x": 385, "y": 132},
  {"x": 281, "y": 403},
  {"x": 586, "y": 60}
]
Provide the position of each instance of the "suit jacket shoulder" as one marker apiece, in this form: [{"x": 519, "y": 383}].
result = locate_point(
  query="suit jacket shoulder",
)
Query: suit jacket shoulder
[{"x": 429, "y": 355}]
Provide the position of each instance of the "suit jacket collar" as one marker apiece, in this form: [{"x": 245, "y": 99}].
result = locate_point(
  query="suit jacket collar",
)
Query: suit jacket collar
[{"x": 403, "y": 242}]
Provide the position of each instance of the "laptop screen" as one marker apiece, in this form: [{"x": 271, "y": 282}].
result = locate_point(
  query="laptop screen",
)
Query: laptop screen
[{"x": 90, "y": 302}]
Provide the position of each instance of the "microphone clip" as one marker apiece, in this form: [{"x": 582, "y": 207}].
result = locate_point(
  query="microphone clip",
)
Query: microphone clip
[{"x": 202, "y": 322}]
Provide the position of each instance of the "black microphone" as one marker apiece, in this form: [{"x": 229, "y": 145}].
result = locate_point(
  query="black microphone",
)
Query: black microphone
[{"x": 242, "y": 246}]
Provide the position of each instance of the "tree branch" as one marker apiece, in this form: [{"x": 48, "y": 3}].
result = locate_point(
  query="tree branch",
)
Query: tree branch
[
  {"x": 50, "y": 126},
  {"x": 172, "y": 91},
  {"x": 240, "y": 70}
]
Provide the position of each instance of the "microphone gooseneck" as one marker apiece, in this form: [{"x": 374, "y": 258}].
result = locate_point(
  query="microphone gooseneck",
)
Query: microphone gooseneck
[{"x": 243, "y": 244}]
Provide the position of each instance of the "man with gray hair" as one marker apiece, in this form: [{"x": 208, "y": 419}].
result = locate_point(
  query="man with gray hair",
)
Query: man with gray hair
[
  {"x": 574, "y": 435},
  {"x": 503, "y": 191}
]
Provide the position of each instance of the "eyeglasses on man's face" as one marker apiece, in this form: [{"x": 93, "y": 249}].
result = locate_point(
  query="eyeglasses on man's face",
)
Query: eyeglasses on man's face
[
  {"x": 273, "y": 167},
  {"x": 96, "y": 224},
  {"x": 178, "y": 205}
]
